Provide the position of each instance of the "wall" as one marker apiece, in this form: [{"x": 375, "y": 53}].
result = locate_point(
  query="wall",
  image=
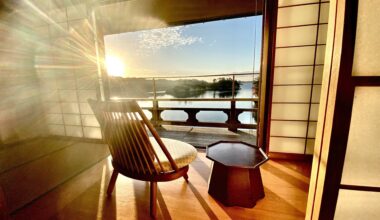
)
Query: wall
[{"x": 297, "y": 78}]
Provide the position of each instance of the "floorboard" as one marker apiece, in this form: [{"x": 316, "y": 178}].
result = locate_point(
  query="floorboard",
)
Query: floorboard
[{"x": 83, "y": 197}]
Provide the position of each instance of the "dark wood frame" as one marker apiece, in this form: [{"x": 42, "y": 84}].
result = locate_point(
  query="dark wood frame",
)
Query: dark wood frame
[
  {"x": 267, "y": 73},
  {"x": 342, "y": 114}
]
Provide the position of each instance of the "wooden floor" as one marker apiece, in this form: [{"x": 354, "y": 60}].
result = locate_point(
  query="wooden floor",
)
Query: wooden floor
[
  {"x": 83, "y": 197},
  {"x": 203, "y": 136}
]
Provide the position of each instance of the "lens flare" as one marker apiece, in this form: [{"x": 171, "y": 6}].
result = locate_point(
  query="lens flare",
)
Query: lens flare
[{"x": 115, "y": 66}]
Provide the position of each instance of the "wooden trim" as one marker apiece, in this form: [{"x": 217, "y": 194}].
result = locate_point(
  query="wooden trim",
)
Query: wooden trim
[
  {"x": 275, "y": 119},
  {"x": 279, "y": 136},
  {"x": 366, "y": 80},
  {"x": 266, "y": 86},
  {"x": 301, "y": 25},
  {"x": 315, "y": 84},
  {"x": 360, "y": 188},
  {"x": 290, "y": 156},
  {"x": 305, "y": 45},
  {"x": 301, "y": 65},
  {"x": 311, "y": 3},
  {"x": 312, "y": 76},
  {"x": 297, "y": 103},
  {"x": 260, "y": 141},
  {"x": 342, "y": 113},
  {"x": 325, "y": 115}
]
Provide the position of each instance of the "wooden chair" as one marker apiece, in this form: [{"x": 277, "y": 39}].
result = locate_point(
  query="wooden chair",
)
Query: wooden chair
[{"x": 134, "y": 153}]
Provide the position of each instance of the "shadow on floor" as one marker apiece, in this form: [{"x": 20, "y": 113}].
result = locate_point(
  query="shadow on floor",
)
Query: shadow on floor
[
  {"x": 286, "y": 177},
  {"x": 203, "y": 136}
]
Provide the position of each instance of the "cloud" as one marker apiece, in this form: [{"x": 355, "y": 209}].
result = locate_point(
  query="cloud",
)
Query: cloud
[
  {"x": 167, "y": 37},
  {"x": 212, "y": 43}
]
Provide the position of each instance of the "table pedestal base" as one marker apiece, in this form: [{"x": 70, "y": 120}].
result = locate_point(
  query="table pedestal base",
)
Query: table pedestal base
[{"x": 235, "y": 186}]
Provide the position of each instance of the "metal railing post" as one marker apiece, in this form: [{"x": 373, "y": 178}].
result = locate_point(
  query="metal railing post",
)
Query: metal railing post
[
  {"x": 155, "y": 112},
  {"x": 233, "y": 86}
]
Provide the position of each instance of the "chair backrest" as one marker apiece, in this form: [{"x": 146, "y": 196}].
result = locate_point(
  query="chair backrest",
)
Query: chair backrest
[{"x": 123, "y": 126}]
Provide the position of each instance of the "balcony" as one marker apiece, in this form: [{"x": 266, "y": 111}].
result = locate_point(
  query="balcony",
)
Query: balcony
[{"x": 229, "y": 114}]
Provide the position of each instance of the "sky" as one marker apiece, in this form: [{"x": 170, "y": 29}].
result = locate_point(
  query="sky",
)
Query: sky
[{"x": 218, "y": 47}]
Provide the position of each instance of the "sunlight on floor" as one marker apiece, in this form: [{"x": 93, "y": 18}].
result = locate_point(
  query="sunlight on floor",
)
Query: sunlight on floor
[{"x": 85, "y": 197}]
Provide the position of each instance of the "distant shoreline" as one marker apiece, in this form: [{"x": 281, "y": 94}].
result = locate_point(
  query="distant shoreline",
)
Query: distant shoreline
[{"x": 181, "y": 88}]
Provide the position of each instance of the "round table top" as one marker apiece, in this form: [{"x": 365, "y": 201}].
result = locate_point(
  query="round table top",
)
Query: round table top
[{"x": 236, "y": 154}]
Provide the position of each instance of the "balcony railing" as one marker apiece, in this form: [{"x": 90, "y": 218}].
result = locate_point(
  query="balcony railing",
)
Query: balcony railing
[{"x": 232, "y": 112}]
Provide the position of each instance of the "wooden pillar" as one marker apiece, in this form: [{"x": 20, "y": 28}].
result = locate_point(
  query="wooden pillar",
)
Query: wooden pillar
[{"x": 232, "y": 120}]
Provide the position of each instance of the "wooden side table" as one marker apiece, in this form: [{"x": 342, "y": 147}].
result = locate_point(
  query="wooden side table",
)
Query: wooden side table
[{"x": 235, "y": 178}]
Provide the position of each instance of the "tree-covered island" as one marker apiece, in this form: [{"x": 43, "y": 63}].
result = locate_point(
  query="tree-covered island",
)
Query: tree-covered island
[{"x": 183, "y": 88}]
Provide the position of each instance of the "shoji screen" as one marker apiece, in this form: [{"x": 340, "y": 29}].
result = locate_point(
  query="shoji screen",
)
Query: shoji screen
[
  {"x": 359, "y": 193},
  {"x": 66, "y": 66},
  {"x": 298, "y": 66}
]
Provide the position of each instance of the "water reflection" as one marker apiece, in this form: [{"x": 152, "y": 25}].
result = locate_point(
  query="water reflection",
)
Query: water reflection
[{"x": 246, "y": 90}]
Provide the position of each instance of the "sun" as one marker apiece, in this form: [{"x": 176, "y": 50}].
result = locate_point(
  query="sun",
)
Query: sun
[{"x": 115, "y": 66}]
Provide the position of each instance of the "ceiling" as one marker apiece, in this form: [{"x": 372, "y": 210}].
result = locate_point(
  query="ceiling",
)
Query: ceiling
[{"x": 135, "y": 15}]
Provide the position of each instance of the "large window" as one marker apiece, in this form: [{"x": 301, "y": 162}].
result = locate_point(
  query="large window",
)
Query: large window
[{"x": 213, "y": 60}]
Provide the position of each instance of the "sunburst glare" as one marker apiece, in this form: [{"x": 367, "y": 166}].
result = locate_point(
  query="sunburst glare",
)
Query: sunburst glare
[{"x": 115, "y": 66}]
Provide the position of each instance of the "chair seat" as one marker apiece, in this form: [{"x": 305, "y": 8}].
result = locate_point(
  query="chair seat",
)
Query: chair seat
[{"x": 182, "y": 153}]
